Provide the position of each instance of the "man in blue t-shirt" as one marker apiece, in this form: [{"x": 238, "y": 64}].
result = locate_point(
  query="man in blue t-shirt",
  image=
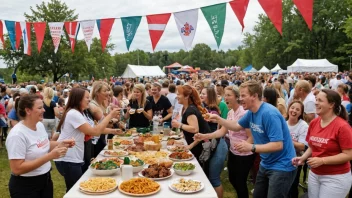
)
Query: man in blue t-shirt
[{"x": 272, "y": 141}]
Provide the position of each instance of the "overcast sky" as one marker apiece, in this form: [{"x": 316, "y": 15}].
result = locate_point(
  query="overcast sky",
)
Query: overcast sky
[{"x": 171, "y": 40}]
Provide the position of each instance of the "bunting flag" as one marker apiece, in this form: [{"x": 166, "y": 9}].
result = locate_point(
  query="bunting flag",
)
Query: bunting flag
[
  {"x": 39, "y": 29},
  {"x": 2, "y": 42},
  {"x": 157, "y": 24},
  {"x": 306, "y": 9},
  {"x": 239, "y": 7},
  {"x": 72, "y": 29},
  {"x": 130, "y": 26},
  {"x": 18, "y": 35},
  {"x": 215, "y": 16},
  {"x": 187, "y": 25},
  {"x": 87, "y": 29},
  {"x": 26, "y": 36},
  {"x": 104, "y": 28},
  {"x": 10, "y": 26},
  {"x": 56, "y": 32},
  {"x": 273, "y": 8}
]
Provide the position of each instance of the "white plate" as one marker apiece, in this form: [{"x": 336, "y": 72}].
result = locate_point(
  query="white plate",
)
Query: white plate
[
  {"x": 187, "y": 192},
  {"x": 122, "y": 155},
  {"x": 178, "y": 160},
  {"x": 156, "y": 179}
]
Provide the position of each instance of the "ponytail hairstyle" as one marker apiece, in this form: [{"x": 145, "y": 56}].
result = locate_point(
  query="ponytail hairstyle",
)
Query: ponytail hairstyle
[
  {"x": 334, "y": 97},
  {"x": 193, "y": 96}
]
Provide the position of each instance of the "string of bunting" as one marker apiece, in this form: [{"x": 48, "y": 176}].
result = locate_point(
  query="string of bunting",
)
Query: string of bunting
[{"x": 186, "y": 22}]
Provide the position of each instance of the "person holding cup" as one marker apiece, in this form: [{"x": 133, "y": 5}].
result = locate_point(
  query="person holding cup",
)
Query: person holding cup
[
  {"x": 139, "y": 110},
  {"x": 30, "y": 151}
]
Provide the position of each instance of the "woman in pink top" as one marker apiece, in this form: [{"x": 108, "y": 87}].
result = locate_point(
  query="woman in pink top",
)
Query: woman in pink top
[{"x": 238, "y": 164}]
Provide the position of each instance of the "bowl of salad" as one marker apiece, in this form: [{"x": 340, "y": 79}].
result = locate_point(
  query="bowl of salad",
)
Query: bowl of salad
[
  {"x": 106, "y": 167},
  {"x": 183, "y": 168}
]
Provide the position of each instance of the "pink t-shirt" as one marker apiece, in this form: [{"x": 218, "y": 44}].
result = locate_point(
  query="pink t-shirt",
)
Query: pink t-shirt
[{"x": 236, "y": 137}]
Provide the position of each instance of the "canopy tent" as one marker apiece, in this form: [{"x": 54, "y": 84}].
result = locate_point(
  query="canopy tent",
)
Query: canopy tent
[
  {"x": 312, "y": 65},
  {"x": 187, "y": 68},
  {"x": 171, "y": 67},
  {"x": 276, "y": 68},
  {"x": 248, "y": 68},
  {"x": 133, "y": 71},
  {"x": 264, "y": 70},
  {"x": 283, "y": 72},
  {"x": 252, "y": 70},
  {"x": 219, "y": 70}
]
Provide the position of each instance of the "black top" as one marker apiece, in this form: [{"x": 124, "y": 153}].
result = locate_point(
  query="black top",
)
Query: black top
[
  {"x": 161, "y": 107},
  {"x": 203, "y": 128},
  {"x": 138, "y": 119},
  {"x": 49, "y": 111}
]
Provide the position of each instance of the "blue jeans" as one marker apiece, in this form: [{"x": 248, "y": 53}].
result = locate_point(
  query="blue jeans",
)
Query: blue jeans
[
  {"x": 70, "y": 171},
  {"x": 273, "y": 183},
  {"x": 216, "y": 163}
]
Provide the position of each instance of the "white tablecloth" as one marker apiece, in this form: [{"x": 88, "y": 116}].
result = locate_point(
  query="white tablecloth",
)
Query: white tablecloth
[{"x": 165, "y": 192}]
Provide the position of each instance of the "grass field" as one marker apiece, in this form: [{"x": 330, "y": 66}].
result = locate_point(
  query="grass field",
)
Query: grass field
[{"x": 59, "y": 184}]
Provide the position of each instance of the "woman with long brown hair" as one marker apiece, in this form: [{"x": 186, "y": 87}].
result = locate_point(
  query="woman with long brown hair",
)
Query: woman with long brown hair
[
  {"x": 330, "y": 148},
  {"x": 76, "y": 124}
]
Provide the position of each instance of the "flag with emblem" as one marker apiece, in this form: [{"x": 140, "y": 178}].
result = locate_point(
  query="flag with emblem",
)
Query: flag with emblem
[
  {"x": 130, "y": 26},
  {"x": 156, "y": 25},
  {"x": 26, "y": 37},
  {"x": 2, "y": 42},
  {"x": 104, "y": 27},
  {"x": 56, "y": 32},
  {"x": 87, "y": 29},
  {"x": 10, "y": 26},
  {"x": 72, "y": 29},
  {"x": 18, "y": 34},
  {"x": 186, "y": 22},
  {"x": 39, "y": 29},
  {"x": 215, "y": 16}
]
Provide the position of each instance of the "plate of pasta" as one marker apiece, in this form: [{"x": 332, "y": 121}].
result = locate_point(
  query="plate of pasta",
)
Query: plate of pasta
[
  {"x": 182, "y": 185},
  {"x": 98, "y": 185},
  {"x": 139, "y": 187}
]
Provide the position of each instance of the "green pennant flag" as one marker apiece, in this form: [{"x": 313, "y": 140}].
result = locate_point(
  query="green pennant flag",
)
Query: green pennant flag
[
  {"x": 215, "y": 16},
  {"x": 130, "y": 26}
]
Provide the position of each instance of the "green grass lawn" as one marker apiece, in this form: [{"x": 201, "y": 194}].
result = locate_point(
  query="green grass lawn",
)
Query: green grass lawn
[{"x": 59, "y": 184}]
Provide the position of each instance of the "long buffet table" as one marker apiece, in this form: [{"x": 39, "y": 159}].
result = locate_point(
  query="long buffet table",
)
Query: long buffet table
[{"x": 198, "y": 174}]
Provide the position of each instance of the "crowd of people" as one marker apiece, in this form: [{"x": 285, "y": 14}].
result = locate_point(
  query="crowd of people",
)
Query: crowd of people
[{"x": 267, "y": 127}]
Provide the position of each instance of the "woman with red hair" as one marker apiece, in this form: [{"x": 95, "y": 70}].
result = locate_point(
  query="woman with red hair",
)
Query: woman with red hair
[{"x": 192, "y": 121}]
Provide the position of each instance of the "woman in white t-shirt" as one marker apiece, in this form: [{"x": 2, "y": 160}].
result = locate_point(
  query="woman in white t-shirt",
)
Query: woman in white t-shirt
[
  {"x": 298, "y": 129},
  {"x": 74, "y": 123},
  {"x": 30, "y": 151}
]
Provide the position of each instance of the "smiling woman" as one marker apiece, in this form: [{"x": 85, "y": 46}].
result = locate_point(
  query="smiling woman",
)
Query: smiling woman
[{"x": 30, "y": 152}]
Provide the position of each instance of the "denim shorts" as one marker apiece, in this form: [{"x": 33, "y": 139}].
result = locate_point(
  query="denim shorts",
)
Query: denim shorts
[{"x": 216, "y": 163}]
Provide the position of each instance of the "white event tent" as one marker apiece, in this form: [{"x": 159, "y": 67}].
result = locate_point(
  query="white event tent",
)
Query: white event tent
[
  {"x": 133, "y": 71},
  {"x": 264, "y": 70},
  {"x": 252, "y": 70},
  {"x": 312, "y": 65},
  {"x": 276, "y": 68}
]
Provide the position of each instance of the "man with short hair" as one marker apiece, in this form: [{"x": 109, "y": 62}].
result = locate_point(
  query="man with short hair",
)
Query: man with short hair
[
  {"x": 161, "y": 105},
  {"x": 271, "y": 139},
  {"x": 172, "y": 95},
  {"x": 304, "y": 93},
  {"x": 336, "y": 82}
]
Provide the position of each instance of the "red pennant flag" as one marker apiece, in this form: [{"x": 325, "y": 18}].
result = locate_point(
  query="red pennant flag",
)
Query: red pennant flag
[
  {"x": 72, "y": 29},
  {"x": 157, "y": 24},
  {"x": 18, "y": 35},
  {"x": 2, "y": 41},
  {"x": 306, "y": 9},
  {"x": 104, "y": 28},
  {"x": 239, "y": 7},
  {"x": 273, "y": 8},
  {"x": 39, "y": 28}
]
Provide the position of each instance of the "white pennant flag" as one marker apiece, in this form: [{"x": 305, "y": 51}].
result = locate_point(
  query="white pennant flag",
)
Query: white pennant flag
[
  {"x": 25, "y": 29},
  {"x": 56, "y": 29},
  {"x": 187, "y": 25},
  {"x": 87, "y": 29}
]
